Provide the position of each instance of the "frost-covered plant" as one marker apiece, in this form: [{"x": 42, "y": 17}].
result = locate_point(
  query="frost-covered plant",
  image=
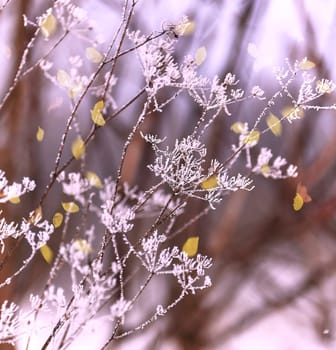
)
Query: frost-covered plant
[{"x": 122, "y": 234}]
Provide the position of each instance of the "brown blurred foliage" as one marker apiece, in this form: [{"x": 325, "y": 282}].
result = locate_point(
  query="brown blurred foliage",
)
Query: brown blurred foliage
[{"x": 268, "y": 258}]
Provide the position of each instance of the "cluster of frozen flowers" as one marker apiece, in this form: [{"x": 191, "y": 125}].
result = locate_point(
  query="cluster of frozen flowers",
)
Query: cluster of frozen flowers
[
  {"x": 15, "y": 190},
  {"x": 122, "y": 234},
  {"x": 182, "y": 168},
  {"x": 33, "y": 229}
]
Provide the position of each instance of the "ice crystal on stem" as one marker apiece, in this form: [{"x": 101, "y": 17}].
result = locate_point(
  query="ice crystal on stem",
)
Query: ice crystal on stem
[
  {"x": 8, "y": 322},
  {"x": 182, "y": 168},
  {"x": 120, "y": 220},
  {"x": 69, "y": 15},
  {"x": 15, "y": 190},
  {"x": 189, "y": 272},
  {"x": 273, "y": 170}
]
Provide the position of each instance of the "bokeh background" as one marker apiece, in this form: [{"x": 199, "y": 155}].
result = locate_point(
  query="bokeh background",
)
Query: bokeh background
[{"x": 274, "y": 269}]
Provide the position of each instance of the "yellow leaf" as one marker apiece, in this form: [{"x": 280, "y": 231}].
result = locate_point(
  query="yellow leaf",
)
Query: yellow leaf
[
  {"x": 96, "y": 114},
  {"x": 210, "y": 183},
  {"x": 63, "y": 78},
  {"x": 252, "y": 137},
  {"x": 78, "y": 147},
  {"x": 48, "y": 25},
  {"x": 39, "y": 134},
  {"x": 200, "y": 56},
  {"x": 70, "y": 207},
  {"x": 274, "y": 124},
  {"x": 75, "y": 90},
  {"x": 306, "y": 64},
  {"x": 323, "y": 87},
  {"x": 287, "y": 111},
  {"x": 93, "y": 55},
  {"x": 57, "y": 219},
  {"x": 290, "y": 111},
  {"x": 83, "y": 246},
  {"x": 97, "y": 118},
  {"x": 94, "y": 179},
  {"x": 265, "y": 169},
  {"x": 47, "y": 253},
  {"x": 15, "y": 200},
  {"x": 185, "y": 28},
  {"x": 298, "y": 202},
  {"x": 36, "y": 215},
  {"x": 189, "y": 28},
  {"x": 99, "y": 105},
  {"x": 237, "y": 127},
  {"x": 191, "y": 246}
]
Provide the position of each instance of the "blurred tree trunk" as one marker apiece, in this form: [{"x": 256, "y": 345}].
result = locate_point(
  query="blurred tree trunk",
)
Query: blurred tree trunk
[{"x": 14, "y": 145}]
